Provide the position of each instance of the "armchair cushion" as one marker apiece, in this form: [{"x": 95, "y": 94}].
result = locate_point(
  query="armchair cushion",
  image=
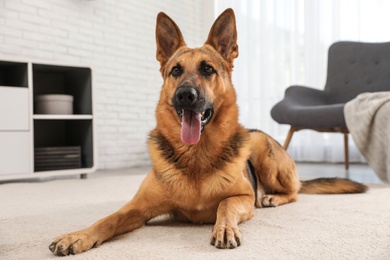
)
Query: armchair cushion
[{"x": 308, "y": 108}]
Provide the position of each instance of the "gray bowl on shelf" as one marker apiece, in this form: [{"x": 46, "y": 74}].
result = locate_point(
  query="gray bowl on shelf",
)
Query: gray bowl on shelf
[{"x": 54, "y": 104}]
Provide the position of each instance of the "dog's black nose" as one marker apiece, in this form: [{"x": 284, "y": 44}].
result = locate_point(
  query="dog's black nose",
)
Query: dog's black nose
[{"x": 186, "y": 96}]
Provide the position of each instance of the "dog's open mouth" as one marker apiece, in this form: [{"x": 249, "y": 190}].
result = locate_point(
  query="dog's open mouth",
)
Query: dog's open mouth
[{"x": 193, "y": 123}]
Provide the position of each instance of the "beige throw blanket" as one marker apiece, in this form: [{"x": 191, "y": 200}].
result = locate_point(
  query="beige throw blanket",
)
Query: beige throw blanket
[{"x": 368, "y": 120}]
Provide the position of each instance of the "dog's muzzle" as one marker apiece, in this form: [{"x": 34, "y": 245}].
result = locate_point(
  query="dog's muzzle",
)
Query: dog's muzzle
[{"x": 194, "y": 113}]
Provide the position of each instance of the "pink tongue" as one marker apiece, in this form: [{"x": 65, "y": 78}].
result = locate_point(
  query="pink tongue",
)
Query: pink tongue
[{"x": 190, "y": 129}]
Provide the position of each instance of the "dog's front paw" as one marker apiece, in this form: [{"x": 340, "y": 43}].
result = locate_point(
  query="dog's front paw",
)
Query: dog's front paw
[
  {"x": 225, "y": 237},
  {"x": 72, "y": 243}
]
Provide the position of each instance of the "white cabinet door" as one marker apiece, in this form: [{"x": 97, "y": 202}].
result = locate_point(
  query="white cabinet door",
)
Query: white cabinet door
[
  {"x": 14, "y": 109},
  {"x": 15, "y": 152}
]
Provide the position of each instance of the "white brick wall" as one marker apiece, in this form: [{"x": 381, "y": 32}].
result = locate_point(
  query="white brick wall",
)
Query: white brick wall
[{"x": 114, "y": 37}]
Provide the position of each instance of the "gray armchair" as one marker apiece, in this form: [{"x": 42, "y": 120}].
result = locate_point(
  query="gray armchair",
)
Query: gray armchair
[{"x": 353, "y": 68}]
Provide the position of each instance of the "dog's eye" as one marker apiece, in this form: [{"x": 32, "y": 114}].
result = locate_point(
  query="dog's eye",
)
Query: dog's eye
[
  {"x": 176, "y": 71},
  {"x": 208, "y": 70}
]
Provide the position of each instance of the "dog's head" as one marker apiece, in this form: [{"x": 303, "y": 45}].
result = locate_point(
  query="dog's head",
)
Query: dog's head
[{"x": 196, "y": 80}]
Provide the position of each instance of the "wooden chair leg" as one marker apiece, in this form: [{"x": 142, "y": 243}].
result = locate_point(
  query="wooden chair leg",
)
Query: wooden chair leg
[
  {"x": 288, "y": 139},
  {"x": 346, "y": 151}
]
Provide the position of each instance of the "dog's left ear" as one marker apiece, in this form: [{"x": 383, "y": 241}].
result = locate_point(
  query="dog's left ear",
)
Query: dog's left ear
[
  {"x": 223, "y": 35},
  {"x": 168, "y": 38}
]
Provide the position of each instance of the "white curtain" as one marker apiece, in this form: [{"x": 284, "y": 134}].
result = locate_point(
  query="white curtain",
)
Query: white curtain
[{"x": 285, "y": 42}]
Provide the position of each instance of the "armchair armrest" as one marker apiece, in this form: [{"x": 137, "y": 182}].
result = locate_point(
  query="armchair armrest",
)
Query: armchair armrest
[{"x": 305, "y": 95}]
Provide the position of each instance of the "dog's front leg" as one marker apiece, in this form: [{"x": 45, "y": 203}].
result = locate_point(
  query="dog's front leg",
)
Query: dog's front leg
[
  {"x": 122, "y": 221},
  {"x": 147, "y": 203},
  {"x": 231, "y": 212}
]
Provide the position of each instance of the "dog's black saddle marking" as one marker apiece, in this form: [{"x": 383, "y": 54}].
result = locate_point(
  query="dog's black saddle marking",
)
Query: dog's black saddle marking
[{"x": 252, "y": 177}]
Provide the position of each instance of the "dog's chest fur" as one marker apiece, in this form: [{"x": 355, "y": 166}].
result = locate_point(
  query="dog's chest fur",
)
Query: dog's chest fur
[{"x": 198, "y": 177}]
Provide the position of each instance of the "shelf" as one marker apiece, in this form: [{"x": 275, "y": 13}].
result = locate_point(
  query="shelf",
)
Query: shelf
[
  {"x": 62, "y": 117},
  {"x": 9, "y": 86},
  {"x": 66, "y": 132},
  {"x": 73, "y": 81},
  {"x": 13, "y": 74},
  {"x": 25, "y": 133}
]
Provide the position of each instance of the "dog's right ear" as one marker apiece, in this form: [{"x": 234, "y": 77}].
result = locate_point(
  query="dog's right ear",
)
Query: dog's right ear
[{"x": 168, "y": 38}]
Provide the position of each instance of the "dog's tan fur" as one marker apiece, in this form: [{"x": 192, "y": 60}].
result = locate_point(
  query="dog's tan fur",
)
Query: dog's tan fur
[{"x": 206, "y": 182}]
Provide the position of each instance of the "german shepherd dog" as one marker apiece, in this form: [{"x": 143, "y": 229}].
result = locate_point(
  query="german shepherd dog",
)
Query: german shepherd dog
[{"x": 206, "y": 167}]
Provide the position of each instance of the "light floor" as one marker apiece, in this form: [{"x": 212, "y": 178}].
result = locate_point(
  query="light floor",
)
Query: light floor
[{"x": 357, "y": 172}]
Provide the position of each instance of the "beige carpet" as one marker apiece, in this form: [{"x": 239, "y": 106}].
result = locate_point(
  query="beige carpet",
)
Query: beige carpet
[{"x": 316, "y": 227}]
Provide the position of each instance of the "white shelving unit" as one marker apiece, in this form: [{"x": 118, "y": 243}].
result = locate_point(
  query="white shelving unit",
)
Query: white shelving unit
[
  {"x": 22, "y": 131},
  {"x": 63, "y": 117}
]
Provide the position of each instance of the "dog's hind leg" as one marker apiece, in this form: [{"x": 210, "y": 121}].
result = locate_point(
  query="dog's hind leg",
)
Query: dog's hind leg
[
  {"x": 274, "y": 200},
  {"x": 276, "y": 171}
]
